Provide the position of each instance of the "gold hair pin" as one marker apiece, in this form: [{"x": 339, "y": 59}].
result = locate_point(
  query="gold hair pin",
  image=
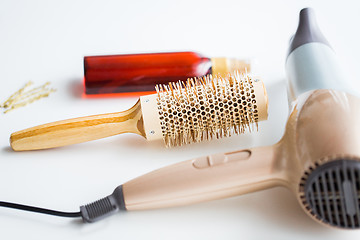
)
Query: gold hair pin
[{"x": 25, "y": 96}]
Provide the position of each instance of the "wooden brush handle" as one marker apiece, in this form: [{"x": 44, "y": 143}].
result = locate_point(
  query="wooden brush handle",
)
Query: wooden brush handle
[
  {"x": 206, "y": 178},
  {"x": 78, "y": 130}
]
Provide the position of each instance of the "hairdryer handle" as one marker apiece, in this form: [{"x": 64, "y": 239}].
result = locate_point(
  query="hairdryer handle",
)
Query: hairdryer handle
[{"x": 205, "y": 178}]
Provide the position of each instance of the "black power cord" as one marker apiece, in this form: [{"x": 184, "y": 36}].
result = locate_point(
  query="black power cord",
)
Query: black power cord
[
  {"x": 40, "y": 210},
  {"x": 89, "y": 213}
]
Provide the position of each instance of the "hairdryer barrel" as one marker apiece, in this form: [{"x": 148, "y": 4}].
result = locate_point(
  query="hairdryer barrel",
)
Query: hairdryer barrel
[{"x": 311, "y": 62}]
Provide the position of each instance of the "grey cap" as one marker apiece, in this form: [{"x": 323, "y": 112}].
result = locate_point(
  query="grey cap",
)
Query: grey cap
[{"x": 307, "y": 31}]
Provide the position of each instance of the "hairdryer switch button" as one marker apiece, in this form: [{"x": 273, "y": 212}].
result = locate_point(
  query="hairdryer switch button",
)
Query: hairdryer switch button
[{"x": 209, "y": 161}]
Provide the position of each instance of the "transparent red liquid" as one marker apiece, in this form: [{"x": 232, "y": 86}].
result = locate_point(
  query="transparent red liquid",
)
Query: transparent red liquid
[{"x": 141, "y": 72}]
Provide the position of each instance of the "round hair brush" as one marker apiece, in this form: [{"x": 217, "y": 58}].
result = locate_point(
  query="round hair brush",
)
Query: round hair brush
[{"x": 180, "y": 113}]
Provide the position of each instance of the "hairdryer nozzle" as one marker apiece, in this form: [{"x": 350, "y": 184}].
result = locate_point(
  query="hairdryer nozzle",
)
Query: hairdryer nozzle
[{"x": 308, "y": 30}]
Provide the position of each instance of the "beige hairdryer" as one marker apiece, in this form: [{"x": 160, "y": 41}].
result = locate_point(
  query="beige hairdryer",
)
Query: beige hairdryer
[{"x": 318, "y": 158}]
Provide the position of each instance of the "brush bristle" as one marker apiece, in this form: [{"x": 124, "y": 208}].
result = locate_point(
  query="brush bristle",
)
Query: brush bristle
[{"x": 206, "y": 108}]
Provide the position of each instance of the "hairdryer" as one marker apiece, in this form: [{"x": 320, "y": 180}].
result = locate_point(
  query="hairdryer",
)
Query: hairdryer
[{"x": 318, "y": 158}]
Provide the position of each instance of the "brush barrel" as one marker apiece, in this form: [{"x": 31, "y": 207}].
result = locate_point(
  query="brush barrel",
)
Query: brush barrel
[{"x": 204, "y": 109}]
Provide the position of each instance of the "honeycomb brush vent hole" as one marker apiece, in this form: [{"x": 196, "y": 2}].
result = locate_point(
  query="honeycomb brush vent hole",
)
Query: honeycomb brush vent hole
[{"x": 331, "y": 193}]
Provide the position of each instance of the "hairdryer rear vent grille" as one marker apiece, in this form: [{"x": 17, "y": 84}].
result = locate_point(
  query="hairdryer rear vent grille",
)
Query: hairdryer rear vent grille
[{"x": 331, "y": 193}]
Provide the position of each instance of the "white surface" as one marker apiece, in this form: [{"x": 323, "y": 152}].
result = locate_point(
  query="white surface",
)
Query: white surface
[{"x": 46, "y": 40}]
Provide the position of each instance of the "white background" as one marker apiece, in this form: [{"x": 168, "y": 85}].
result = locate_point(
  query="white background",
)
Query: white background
[{"x": 46, "y": 41}]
